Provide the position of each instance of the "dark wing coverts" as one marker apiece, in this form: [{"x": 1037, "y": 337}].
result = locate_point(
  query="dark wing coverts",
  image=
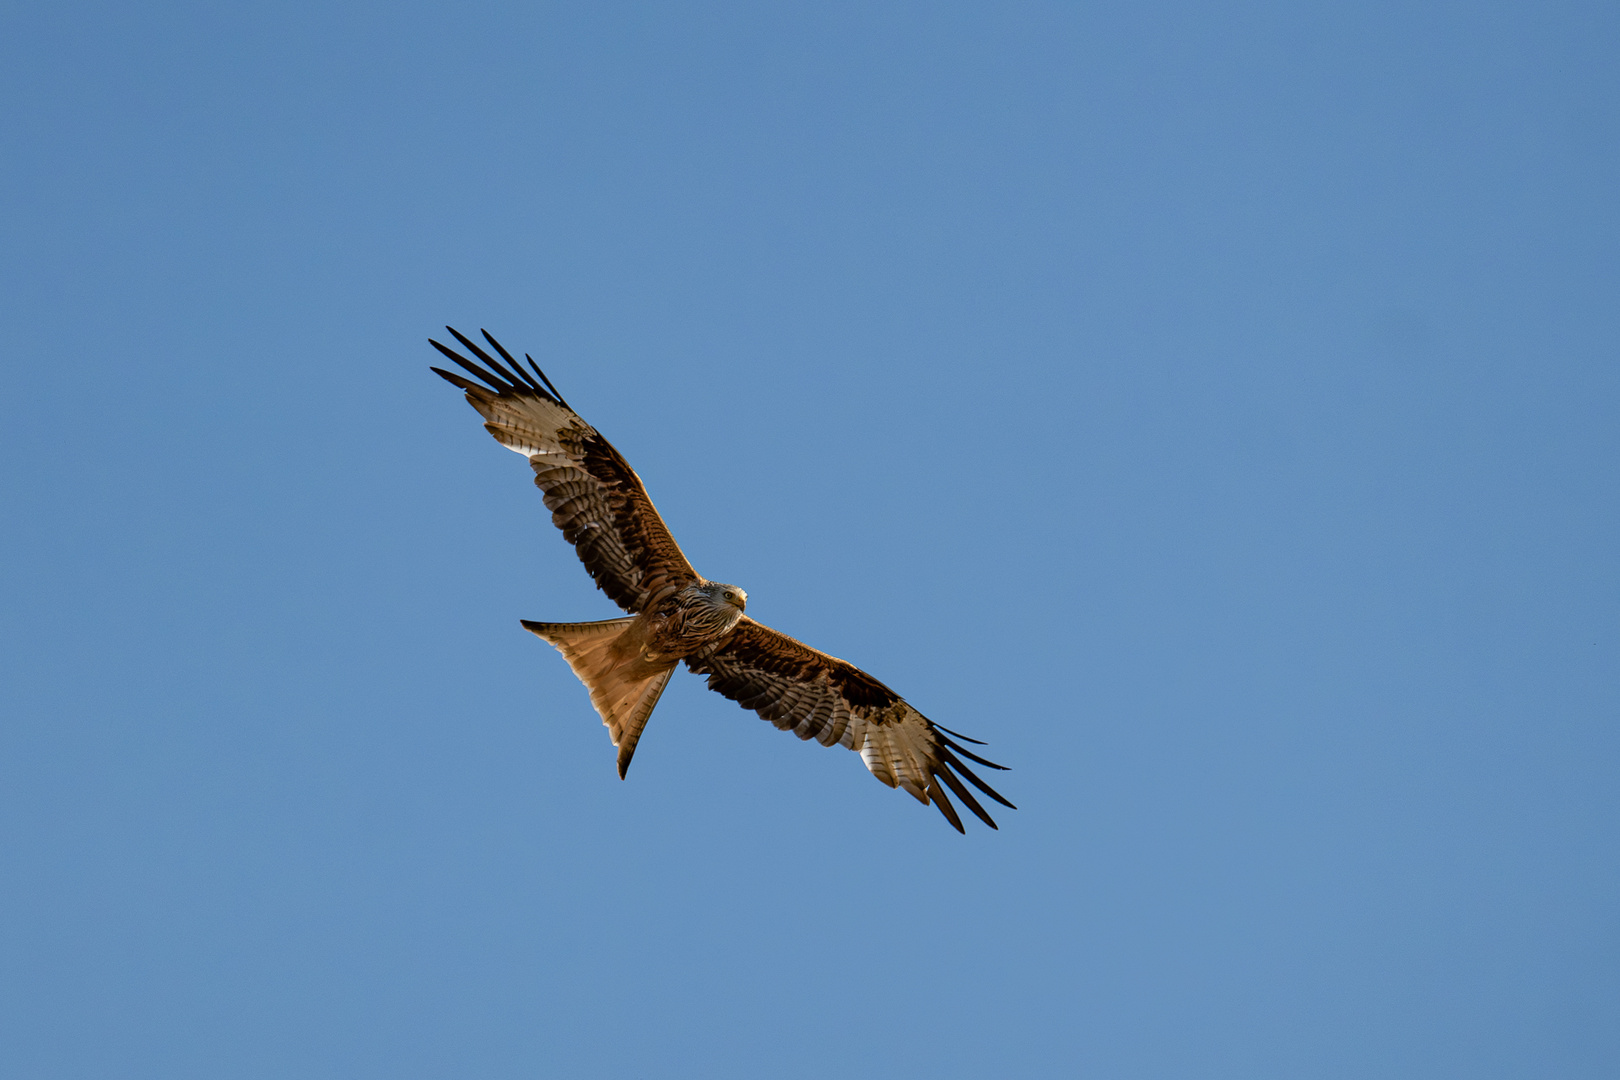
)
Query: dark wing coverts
[
  {"x": 821, "y": 697},
  {"x": 594, "y": 496}
]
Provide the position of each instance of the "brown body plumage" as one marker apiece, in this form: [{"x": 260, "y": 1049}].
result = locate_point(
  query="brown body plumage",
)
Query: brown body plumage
[{"x": 677, "y": 616}]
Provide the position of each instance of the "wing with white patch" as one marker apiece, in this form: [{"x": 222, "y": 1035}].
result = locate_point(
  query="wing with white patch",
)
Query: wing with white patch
[
  {"x": 594, "y": 496},
  {"x": 821, "y": 697}
]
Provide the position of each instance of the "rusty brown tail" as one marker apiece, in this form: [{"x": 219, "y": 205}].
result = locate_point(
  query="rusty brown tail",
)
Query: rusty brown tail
[{"x": 623, "y": 688}]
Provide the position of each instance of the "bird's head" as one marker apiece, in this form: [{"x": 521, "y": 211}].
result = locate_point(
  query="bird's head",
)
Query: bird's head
[{"x": 721, "y": 594}]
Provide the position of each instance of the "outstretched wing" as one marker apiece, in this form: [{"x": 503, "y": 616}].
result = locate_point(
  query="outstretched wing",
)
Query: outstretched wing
[
  {"x": 594, "y": 496},
  {"x": 821, "y": 697}
]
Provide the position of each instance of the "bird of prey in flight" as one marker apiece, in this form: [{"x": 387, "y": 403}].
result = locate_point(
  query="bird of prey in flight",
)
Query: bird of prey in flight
[{"x": 676, "y": 615}]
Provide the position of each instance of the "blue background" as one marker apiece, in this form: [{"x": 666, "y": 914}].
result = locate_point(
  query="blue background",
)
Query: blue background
[{"x": 1212, "y": 406}]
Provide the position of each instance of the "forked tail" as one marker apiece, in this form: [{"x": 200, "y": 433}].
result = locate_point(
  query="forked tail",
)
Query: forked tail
[{"x": 623, "y": 687}]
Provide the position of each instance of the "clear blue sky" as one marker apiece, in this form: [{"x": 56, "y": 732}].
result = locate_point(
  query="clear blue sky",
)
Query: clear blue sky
[{"x": 1214, "y": 407}]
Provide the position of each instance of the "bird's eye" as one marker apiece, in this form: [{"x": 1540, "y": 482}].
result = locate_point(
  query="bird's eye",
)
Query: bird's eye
[{"x": 731, "y": 596}]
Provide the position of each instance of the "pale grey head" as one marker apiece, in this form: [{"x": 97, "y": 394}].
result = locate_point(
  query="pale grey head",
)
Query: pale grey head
[
  {"x": 721, "y": 594},
  {"x": 712, "y": 607}
]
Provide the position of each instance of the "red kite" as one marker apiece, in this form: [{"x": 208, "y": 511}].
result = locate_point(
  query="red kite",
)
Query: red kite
[{"x": 676, "y": 615}]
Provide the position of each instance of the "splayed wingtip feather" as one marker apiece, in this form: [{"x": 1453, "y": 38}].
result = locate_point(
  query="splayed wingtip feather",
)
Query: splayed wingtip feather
[
  {"x": 945, "y": 806},
  {"x": 965, "y": 795}
]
